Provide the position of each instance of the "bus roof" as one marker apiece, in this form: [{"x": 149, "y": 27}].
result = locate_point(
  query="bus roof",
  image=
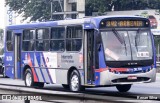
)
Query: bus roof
[{"x": 91, "y": 20}]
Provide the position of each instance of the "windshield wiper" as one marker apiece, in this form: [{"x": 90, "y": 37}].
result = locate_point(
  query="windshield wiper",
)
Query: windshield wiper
[
  {"x": 121, "y": 40},
  {"x": 118, "y": 36},
  {"x": 125, "y": 45},
  {"x": 136, "y": 37}
]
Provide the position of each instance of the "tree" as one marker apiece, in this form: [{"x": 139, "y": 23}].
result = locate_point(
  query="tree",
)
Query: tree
[
  {"x": 120, "y": 5},
  {"x": 35, "y": 9},
  {"x": 99, "y": 6},
  {"x": 40, "y": 9}
]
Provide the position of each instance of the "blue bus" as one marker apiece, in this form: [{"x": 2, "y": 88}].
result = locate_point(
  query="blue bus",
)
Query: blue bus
[{"x": 89, "y": 52}]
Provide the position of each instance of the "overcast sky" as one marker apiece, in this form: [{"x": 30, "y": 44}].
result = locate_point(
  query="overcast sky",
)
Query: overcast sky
[{"x": 2, "y": 14}]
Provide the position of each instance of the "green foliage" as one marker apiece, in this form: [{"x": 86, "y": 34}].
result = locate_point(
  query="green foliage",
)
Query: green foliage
[
  {"x": 120, "y": 5},
  {"x": 35, "y": 9},
  {"x": 40, "y": 9},
  {"x": 97, "y": 6}
]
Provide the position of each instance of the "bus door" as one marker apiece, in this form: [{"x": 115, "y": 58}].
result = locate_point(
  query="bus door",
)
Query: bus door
[
  {"x": 17, "y": 53},
  {"x": 89, "y": 56}
]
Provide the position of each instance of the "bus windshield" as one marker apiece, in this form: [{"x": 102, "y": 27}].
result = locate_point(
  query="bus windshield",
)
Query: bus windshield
[{"x": 127, "y": 45}]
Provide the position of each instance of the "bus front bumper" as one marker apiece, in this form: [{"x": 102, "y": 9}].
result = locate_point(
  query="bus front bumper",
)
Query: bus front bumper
[{"x": 114, "y": 79}]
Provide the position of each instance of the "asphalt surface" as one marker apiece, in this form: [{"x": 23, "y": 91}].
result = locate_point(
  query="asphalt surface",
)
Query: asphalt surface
[{"x": 153, "y": 89}]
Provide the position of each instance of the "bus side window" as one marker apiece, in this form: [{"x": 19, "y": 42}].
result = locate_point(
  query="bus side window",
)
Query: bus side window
[
  {"x": 46, "y": 45},
  {"x": 68, "y": 45},
  {"x": 74, "y": 38},
  {"x": 57, "y": 39},
  {"x": 52, "y": 46},
  {"x": 61, "y": 46},
  {"x": 42, "y": 39},
  {"x": 46, "y": 39},
  {"x": 9, "y": 41},
  {"x": 28, "y": 40},
  {"x": 32, "y": 38},
  {"x": 75, "y": 44},
  {"x": 39, "y": 45}
]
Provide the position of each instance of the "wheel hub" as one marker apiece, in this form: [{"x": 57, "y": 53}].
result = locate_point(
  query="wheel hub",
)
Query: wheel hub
[
  {"x": 28, "y": 79},
  {"x": 74, "y": 83}
]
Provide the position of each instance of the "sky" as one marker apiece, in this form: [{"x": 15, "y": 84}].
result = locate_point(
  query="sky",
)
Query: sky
[
  {"x": 2, "y": 9},
  {"x": 4, "y": 17}
]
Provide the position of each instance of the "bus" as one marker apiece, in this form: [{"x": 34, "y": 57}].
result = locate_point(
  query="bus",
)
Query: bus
[{"x": 79, "y": 53}]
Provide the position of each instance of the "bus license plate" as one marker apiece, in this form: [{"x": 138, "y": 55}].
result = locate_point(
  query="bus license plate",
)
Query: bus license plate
[{"x": 132, "y": 77}]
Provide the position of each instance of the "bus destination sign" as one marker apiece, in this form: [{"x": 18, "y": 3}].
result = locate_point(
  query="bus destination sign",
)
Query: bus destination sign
[{"x": 124, "y": 23}]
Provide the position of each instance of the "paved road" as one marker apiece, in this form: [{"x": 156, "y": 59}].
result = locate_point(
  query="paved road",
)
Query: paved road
[{"x": 144, "y": 88}]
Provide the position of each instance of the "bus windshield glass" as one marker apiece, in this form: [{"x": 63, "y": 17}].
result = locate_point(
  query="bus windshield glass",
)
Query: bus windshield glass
[{"x": 127, "y": 45}]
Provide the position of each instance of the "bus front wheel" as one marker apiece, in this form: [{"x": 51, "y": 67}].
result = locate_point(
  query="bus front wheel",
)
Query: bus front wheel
[
  {"x": 29, "y": 82},
  {"x": 75, "y": 82},
  {"x": 123, "y": 88}
]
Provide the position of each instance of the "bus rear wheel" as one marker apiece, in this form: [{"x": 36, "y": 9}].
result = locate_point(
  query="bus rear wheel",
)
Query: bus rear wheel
[
  {"x": 28, "y": 79},
  {"x": 123, "y": 88},
  {"x": 29, "y": 82},
  {"x": 75, "y": 82}
]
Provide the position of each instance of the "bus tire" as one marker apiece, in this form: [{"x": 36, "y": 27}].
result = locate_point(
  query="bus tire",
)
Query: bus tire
[
  {"x": 4, "y": 76},
  {"x": 29, "y": 81},
  {"x": 65, "y": 86},
  {"x": 75, "y": 82},
  {"x": 28, "y": 78},
  {"x": 123, "y": 88},
  {"x": 39, "y": 85}
]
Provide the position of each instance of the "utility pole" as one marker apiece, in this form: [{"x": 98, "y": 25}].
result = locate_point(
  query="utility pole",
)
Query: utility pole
[{"x": 51, "y": 10}]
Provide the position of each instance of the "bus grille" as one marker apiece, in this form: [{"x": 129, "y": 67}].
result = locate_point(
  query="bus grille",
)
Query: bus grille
[{"x": 139, "y": 79}]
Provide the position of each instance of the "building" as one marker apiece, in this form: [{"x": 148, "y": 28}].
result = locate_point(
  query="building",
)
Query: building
[{"x": 69, "y": 9}]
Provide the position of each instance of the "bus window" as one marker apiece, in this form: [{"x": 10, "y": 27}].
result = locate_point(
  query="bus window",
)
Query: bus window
[
  {"x": 57, "y": 33},
  {"x": 74, "y": 38},
  {"x": 28, "y": 40},
  {"x": 57, "y": 45},
  {"x": 78, "y": 32},
  {"x": 9, "y": 41},
  {"x": 57, "y": 39},
  {"x": 42, "y": 40}
]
